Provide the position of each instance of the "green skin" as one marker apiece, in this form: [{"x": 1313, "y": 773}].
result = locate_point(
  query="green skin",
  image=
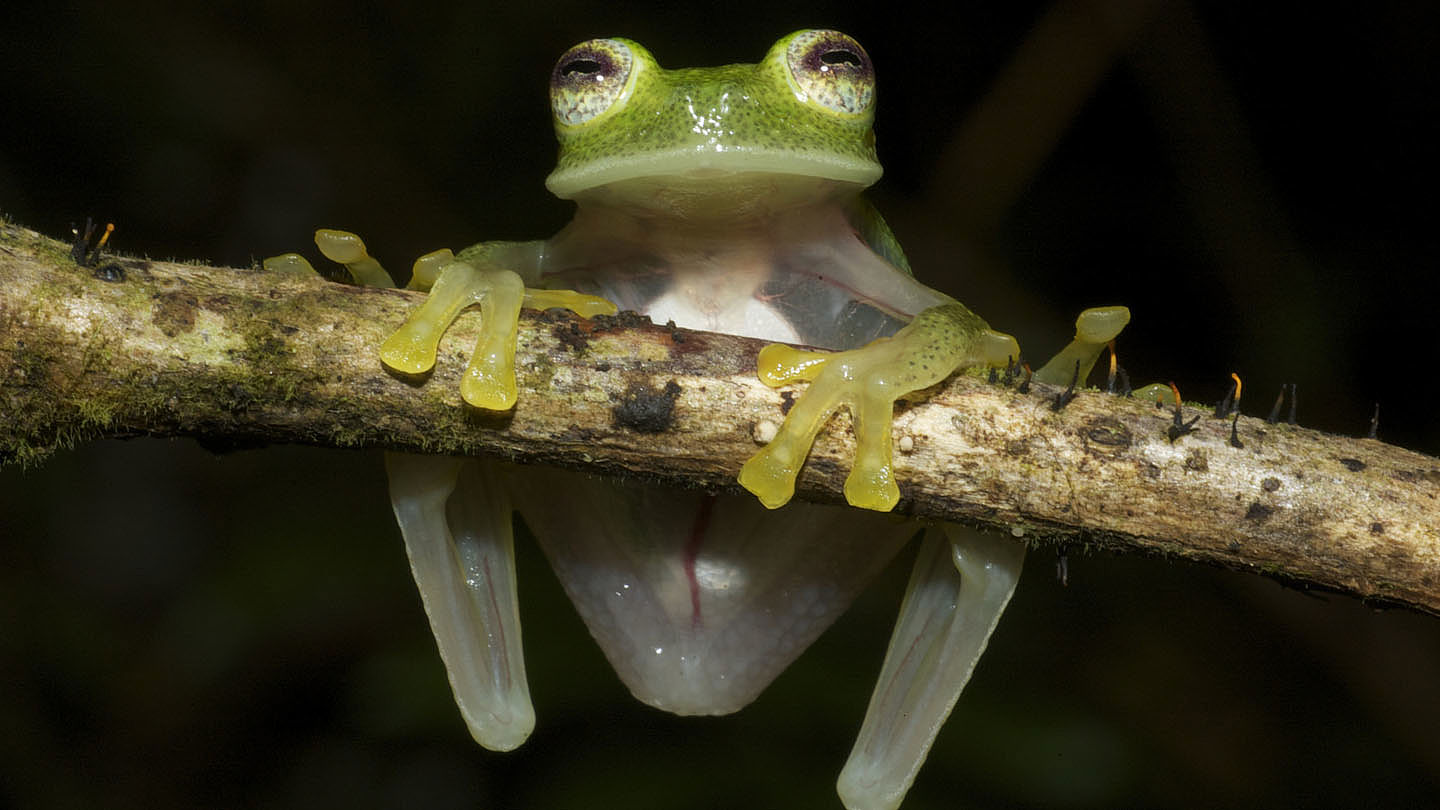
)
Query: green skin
[{"x": 725, "y": 199}]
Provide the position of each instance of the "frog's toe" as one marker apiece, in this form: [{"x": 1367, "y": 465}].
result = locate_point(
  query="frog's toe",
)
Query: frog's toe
[
  {"x": 779, "y": 364},
  {"x": 1101, "y": 324},
  {"x": 871, "y": 483},
  {"x": 586, "y": 306},
  {"x": 291, "y": 264},
  {"x": 343, "y": 247},
  {"x": 770, "y": 474},
  {"x": 1093, "y": 330}
]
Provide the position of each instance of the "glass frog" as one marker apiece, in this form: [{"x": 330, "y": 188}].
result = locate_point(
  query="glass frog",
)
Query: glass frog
[{"x": 725, "y": 199}]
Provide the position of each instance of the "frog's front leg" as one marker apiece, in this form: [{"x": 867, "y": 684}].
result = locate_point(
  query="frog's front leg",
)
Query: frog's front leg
[
  {"x": 490, "y": 275},
  {"x": 867, "y": 380}
]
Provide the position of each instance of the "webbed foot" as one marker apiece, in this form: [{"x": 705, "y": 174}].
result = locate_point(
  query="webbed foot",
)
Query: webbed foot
[{"x": 867, "y": 381}]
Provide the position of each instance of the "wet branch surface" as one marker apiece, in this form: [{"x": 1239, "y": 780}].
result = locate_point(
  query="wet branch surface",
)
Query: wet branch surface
[{"x": 244, "y": 357}]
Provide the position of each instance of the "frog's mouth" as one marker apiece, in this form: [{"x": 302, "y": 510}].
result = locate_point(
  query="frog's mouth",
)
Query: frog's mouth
[{"x": 710, "y": 178}]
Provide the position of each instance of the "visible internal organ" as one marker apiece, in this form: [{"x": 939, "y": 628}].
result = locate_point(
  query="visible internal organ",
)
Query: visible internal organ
[{"x": 699, "y": 601}]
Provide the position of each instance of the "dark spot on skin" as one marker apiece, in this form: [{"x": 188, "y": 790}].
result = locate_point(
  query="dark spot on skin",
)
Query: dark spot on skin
[
  {"x": 1196, "y": 462},
  {"x": 1258, "y": 512},
  {"x": 1353, "y": 464},
  {"x": 787, "y": 401},
  {"x": 643, "y": 409},
  {"x": 174, "y": 312},
  {"x": 1377, "y": 528},
  {"x": 1270, "y": 484}
]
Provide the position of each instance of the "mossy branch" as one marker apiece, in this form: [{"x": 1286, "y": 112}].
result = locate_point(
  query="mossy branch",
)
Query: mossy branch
[{"x": 239, "y": 357}]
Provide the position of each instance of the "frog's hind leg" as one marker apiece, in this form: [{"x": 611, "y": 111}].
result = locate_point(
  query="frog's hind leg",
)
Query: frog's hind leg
[
  {"x": 960, "y": 585},
  {"x": 456, "y": 521}
]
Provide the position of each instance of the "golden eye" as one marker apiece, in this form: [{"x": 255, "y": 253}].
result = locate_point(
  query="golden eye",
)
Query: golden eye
[
  {"x": 832, "y": 70},
  {"x": 589, "y": 79}
]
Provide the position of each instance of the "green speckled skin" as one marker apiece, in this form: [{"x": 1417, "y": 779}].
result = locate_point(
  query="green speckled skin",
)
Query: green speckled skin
[{"x": 701, "y": 115}]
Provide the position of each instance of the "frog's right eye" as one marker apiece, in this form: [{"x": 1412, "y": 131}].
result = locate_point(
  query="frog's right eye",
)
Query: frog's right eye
[{"x": 591, "y": 78}]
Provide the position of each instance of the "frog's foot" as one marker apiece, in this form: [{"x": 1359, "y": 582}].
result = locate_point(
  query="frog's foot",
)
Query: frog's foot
[
  {"x": 467, "y": 582},
  {"x": 960, "y": 585},
  {"x": 489, "y": 380},
  {"x": 867, "y": 381},
  {"x": 1094, "y": 330},
  {"x": 454, "y": 285}
]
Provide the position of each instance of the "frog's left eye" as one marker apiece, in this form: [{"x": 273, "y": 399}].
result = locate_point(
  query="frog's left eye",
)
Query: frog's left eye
[
  {"x": 832, "y": 70},
  {"x": 589, "y": 79}
]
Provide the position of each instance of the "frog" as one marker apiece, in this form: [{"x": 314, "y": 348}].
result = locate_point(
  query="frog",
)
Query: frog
[{"x": 726, "y": 199}]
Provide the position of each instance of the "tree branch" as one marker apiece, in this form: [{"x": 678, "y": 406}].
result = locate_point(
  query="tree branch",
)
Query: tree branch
[{"x": 244, "y": 356}]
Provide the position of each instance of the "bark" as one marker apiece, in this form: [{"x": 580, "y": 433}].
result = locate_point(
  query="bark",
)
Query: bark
[{"x": 241, "y": 356}]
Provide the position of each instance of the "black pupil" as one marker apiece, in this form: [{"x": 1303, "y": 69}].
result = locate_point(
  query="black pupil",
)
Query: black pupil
[
  {"x": 838, "y": 57},
  {"x": 586, "y": 66}
]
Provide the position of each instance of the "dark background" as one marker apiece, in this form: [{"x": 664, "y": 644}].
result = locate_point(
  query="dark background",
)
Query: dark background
[{"x": 180, "y": 629}]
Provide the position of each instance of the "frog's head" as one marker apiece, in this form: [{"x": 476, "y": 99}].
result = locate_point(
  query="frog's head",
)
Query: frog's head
[{"x": 792, "y": 127}]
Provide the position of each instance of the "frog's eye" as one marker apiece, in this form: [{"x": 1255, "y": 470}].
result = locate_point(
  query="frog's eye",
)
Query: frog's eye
[
  {"x": 589, "y": 79},
  {"x": 832, "y": 70}
]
